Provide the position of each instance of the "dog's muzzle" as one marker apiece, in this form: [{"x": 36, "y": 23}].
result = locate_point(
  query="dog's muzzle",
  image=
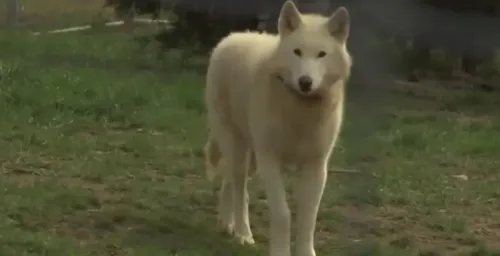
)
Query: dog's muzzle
[{"x": 309, "y": 95}]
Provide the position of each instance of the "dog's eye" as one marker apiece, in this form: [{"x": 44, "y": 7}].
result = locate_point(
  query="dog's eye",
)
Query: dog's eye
[
  {"x": 297, "y": 52},
  {"x": 321, "y": 54}
]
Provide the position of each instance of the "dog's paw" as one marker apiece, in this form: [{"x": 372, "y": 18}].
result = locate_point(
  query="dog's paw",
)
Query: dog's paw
[
  {"x": 226, "y": 227},
  {"x": 245, "y": 239},
  {"x": 306, "y": 251}
]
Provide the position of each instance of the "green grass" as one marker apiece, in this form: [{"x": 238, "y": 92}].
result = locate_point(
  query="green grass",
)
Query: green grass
[
  {"x": 100, "y": 152},
  {"x": 55, "y": 14}
]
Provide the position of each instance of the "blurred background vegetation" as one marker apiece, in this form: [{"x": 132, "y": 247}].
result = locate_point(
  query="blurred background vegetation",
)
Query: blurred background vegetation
[{"x": 416, "y": 61}]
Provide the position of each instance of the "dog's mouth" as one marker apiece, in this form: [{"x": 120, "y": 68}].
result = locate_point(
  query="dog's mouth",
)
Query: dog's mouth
[{"x": 311, "y": 95}]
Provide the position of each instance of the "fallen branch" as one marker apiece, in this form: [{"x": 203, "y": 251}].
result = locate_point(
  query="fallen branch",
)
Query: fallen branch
[
  {"x": 112, "y": 23},
  {"x": 341, "y": 170},
  {"x": 482, "y": 83}
]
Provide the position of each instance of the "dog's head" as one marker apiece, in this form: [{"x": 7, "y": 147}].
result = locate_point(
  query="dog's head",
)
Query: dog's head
[{"x": 311, "y": 55}]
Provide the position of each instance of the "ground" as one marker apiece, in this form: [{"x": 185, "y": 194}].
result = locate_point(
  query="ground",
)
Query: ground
[{"x": 101, "y": 154}]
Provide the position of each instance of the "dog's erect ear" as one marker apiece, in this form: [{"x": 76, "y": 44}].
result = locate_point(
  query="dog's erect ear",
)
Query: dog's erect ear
[
  {"x": 289, "y": 19},
  {"x": 338, "y": 24}
]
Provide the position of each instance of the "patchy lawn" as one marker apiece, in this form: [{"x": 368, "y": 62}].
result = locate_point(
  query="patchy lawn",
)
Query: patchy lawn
[
  {"x": 56, "y": 14},
  {"x": 101, "y": 154}
]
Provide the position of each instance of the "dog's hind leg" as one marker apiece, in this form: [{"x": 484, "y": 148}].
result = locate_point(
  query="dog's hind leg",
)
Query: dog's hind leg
[
  {"x": 215, "y": 164},
  {"x": 212, "y": 158},
  {"x": 226, "y": 205},
  {"x": 237, "y": 174}
]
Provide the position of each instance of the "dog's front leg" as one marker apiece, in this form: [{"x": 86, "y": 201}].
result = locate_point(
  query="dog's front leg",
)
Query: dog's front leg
[
  {"x": 309, "y": 192},
  {"x": 269, "y": 170}
]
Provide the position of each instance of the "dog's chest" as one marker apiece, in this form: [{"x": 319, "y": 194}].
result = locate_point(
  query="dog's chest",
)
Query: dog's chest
[
  {"x": 292, "y": 128},
  {"x": 297, "y": 138}
]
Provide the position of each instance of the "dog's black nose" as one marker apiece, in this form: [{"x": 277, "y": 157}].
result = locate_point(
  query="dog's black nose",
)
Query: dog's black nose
[{"x": 305, "y": 83}]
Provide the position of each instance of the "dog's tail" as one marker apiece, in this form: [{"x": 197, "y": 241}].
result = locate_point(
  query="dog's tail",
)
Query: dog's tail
[{"x": 213, "y": 157}]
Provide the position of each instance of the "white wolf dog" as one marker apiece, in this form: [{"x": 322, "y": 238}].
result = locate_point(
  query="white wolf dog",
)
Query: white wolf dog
[{"x": 275, "y": 101}]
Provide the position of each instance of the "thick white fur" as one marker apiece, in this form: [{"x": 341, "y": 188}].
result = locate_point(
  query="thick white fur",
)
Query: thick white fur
[{"x": 259, "y": 119}]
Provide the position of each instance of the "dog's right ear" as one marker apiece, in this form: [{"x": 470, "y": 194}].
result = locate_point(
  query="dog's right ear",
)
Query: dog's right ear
[{"x": 289, "y": 19}]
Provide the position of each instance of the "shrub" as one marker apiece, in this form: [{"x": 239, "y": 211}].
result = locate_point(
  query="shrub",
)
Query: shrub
[{"x": 489, "y": 7}]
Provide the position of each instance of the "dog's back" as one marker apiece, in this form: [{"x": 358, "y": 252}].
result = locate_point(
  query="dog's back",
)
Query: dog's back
[
  {"x": 233, "y": 64},
  {"x": 231, "y": 73}
]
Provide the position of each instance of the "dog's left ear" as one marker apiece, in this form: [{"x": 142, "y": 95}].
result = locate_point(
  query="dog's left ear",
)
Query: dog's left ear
[{"x": 338, "y": 24}]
